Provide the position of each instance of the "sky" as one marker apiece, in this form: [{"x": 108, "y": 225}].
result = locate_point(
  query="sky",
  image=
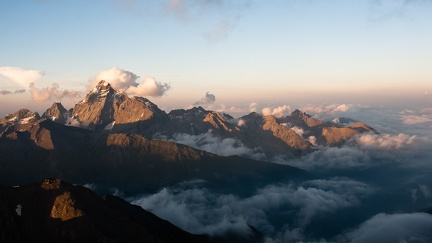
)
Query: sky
[{"x": 177, "y": 53}]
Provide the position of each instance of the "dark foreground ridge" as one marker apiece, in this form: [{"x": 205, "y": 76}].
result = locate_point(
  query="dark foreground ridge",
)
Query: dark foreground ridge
[{"x": 56, "y": 211}]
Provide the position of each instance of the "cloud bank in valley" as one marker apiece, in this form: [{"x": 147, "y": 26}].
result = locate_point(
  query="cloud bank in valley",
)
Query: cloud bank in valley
[
  {"x": 127, "y": 81},
  {"x": 199, "y": 210},
  {"x": 403, "y": 227},
  {"x": 221, "y": 146}
]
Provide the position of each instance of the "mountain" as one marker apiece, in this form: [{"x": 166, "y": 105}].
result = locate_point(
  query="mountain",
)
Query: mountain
[
  {"x": 56, "y": 211},
  {"x": 23, "y": 116},
  {"x": 57, "y": 113},
  {"x": 130, "y": 162},
  {"x": 105, "y": 108}
]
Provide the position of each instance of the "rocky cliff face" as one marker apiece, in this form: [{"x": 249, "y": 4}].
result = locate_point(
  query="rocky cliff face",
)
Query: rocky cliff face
[
  {"x": 105, "y": 108},
  {"x": 56, "y": 211},
  {"x": 23, "y": 116},
  {"x": 57, "y": 113}
]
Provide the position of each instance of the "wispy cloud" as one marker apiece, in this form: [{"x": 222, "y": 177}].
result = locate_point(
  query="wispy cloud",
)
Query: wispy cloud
[
  {"x": 20, "y": 76},
  {"x": 207, "y": 101},
  {"x": 7, "y": 92},
  {"x": 52, "y": 93}
]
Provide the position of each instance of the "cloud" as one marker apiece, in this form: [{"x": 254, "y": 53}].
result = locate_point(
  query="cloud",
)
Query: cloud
[
  {"x": 425, "y": 191},
  {"x": 7, "y": 92},
  {"x": 412, "y": 117},
  {"x": 298, "y": 130},
  {"x": 414, "y": 227},
  {"x": 20, "y": 76},
  {"x": 253, "y": 107},
  {"x": 148, "y": 87},
  {"x": 51, "y": 93},
  {"x": 118, "y": 78},
  {"x": 278, "y": 112},
  {"x": 126, "y": 81},
  {"x": 76, "y": 123},
  {"x": 190, "y": 10},
  {"x": 217, "y": 145},
  {"x": 384, "y": 10},
  {"x": 220, "y": 31},
  {"x": 207, "y": 101},
  {"x": 329, "y": 109},
  {"x": 199, "y": 210},
  {"x": 384, "y": 141},
  {"x": 231, "y": 110},
  {"x": 225, "y": 15}
]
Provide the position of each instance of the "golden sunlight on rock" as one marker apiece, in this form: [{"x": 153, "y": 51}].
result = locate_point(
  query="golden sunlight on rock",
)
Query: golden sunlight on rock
[{"x": 64, "y": 208}]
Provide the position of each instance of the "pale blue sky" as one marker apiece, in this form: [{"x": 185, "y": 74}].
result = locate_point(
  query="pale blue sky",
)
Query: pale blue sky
[{"x": 278, "y": 52}]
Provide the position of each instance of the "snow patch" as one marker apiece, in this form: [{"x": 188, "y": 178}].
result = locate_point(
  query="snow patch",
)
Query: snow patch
[
  {"x": 110, "y": 126},
  {"x": 18, "y": 209}
]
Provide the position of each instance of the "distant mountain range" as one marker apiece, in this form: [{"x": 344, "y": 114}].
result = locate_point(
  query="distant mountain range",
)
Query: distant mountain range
[
  {"x": 106, "y": 139},
  {"x": 115, "y": 142},
  {"x": 103, "y": 108}
]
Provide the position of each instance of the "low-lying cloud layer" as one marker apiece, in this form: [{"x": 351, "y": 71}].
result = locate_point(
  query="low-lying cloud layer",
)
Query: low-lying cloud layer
[
  {"x": 414, "y": 227},
  {"x": 199, "y": 210},
  {"x": 221, "y": 146}
]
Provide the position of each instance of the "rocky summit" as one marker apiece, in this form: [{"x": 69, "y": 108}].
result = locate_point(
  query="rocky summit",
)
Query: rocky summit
[{"x": 107, "y": 109}]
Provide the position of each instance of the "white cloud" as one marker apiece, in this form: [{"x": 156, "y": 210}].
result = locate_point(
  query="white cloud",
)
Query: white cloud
[
  {"x": 22, "y": 77},
  {"x": 278, "y": 112},
  {"x": 148, "y": 87},
  {"x": 412, "y": 117},
  {"x": 253, "y": 107},
  {"x": 217, "y": 145},
  {"x": 384, "y": 141},
  {"x": 298, "y": 130},
  {"x": 329, "y": 109},
  {"x": 119, "y": 79},
  {"x": 126, "y": 81}
]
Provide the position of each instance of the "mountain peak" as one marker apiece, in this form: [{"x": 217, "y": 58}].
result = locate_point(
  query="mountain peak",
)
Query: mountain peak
[
  {"x": 103, "y": 85},
  {"x": 57, "y": 113},
  {"x": 23, "y": 116},
  {"x": 298, "y": 113}
]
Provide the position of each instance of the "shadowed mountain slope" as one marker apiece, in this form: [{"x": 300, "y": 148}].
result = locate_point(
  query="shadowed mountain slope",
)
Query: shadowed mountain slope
[
  {"x": 55, "y": 211},
  {"x": 129, "y": 162}
]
